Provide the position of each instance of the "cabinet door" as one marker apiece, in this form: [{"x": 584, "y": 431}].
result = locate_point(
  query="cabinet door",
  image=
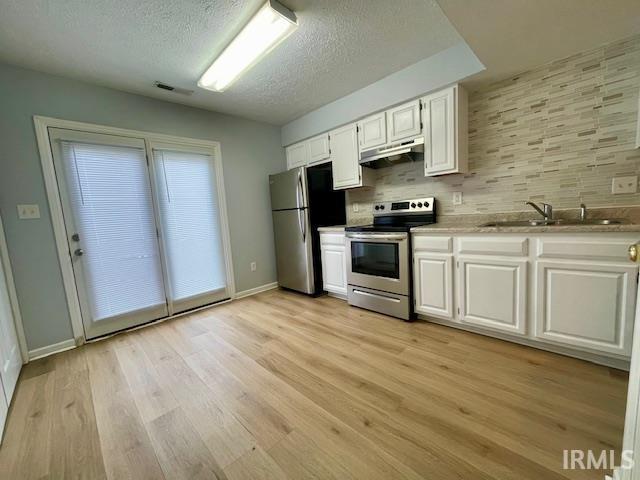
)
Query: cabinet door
[
  {"x": 334, "y": 269},
  {"x": 586, "y": 305},
  {"x": 297, "y": 155},
  {"x": 319, "y": 148},
  {"x": 404, "y": 121},
  {"x": 433, "y": 284},
  {"x": 493, "y": 293},
  {"x": 372, "y": 131},
  {"x": 347, "y": 172},
  {"x": 439, "y": 132}
]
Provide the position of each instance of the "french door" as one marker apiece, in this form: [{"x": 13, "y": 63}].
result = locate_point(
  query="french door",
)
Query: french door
[{"x": 144, "y": 237}]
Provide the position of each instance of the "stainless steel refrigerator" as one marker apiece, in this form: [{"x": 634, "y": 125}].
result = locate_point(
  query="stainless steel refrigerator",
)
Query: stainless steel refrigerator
[{"x": 302, "y": 200}]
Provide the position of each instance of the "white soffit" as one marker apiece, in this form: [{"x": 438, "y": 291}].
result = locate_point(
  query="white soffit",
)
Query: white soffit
[{"x": 433, "y": 73}]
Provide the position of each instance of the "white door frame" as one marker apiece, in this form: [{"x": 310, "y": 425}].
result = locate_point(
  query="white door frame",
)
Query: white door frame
[
  {"x": 631, "y": 439},
  {"x": 42, "y": 125},
  {"x": 13, "y": 297}
]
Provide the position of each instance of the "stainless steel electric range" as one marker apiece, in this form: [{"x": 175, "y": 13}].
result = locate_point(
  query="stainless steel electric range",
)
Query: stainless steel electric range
[{"x": 379, "y": 273}]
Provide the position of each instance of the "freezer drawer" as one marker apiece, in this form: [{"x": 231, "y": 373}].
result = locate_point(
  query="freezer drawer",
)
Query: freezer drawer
[{"x": 292, "y": 234}]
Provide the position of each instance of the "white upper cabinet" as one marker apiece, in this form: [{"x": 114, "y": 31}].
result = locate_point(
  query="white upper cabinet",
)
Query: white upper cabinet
[
  {"x": 444, "y": 116},
  {"x": 319, "y": 148},
  {"x": 372, "y": 131},
  {"x": 297, "y": 155},
  {"x": 403, "y": 122},
  {"x": 347, "y": 172}
]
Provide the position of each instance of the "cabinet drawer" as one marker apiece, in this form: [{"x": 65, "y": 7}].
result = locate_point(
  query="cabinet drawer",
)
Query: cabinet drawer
[
  {"x": 332, "y": 239},
  {"x": 585, "y": 248},
  {"x": 433, "y": 244},
  {"x": 516, "y": 247}
]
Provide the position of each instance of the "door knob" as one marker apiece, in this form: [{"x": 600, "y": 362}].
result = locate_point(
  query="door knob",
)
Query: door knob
[
  {"x": 633, "y": 252},
  {"x": 78, "y": 252}
]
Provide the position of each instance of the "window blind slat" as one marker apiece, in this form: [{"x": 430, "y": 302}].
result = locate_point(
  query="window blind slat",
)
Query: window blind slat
[
  {"x": 110, "y": 196},
  {"x": 190, "y": 214}
]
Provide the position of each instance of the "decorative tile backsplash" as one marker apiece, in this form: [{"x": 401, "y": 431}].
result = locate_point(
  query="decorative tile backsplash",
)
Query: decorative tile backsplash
[{"x": 557, "y": 134}]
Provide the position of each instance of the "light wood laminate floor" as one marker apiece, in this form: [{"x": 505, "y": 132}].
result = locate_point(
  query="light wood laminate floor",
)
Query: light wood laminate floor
[{"x": 279, "y": 385}]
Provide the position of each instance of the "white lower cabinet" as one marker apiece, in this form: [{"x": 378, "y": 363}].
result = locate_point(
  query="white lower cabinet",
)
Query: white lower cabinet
[
  {"x": 433, "y": 279},
  {"x": 493, "y": 293},
  {"x": 334, "y": 263},
  {"x": 573, "y": 293},
  {"x": 586, "y": 305}
]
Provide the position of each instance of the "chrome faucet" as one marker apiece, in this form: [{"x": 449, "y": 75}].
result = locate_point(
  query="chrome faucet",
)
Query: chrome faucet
[{"x": 546, "y": 211}]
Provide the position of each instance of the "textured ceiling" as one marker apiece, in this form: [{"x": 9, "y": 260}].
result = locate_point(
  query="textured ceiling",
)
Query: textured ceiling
[{"x": 340, "y": 46}]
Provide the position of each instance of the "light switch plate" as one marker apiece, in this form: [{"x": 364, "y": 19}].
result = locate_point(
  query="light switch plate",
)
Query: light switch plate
[
  {"x": 253, "y": 266},
  {"x": 28, "y": 212},
  {"x": 457, "y": 198},
  {"x": 624, "y": 185}
]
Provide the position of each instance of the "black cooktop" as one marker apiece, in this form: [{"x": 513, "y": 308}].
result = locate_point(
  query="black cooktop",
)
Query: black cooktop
[
  {"x": 400, "y": 216},
  {"x": 382, "y": 228}
]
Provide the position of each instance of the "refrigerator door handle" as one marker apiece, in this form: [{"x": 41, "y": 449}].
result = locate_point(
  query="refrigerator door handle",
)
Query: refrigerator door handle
[
  {"x": 300, "y": 190},
  {"x": 302, "y": 222}
]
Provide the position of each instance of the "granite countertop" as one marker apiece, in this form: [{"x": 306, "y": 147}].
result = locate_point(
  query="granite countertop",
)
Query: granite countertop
[
  {"x": 470, "y": 223},
  {"x": 333, "y": 229},
  {"x": 436, "y": 228}
]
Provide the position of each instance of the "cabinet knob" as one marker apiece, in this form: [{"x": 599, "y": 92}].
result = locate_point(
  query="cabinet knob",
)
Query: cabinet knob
[{"x": 633, "y": 252}]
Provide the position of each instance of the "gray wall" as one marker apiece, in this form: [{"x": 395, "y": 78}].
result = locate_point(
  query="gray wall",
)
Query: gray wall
[
  {"x": 250, "y": 151},
  {"x": 432, "y": 73}
]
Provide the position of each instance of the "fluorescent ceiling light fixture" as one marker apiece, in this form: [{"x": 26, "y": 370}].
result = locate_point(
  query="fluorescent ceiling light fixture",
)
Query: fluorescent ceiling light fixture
[{"x": 266, "y": 29}]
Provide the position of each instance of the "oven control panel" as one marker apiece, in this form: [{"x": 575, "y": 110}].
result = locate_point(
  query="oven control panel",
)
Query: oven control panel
[{"x": 415, "y": 205}]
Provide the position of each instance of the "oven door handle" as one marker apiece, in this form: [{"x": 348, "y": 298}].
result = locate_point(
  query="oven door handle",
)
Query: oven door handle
[{"x": 383, "y": 236}]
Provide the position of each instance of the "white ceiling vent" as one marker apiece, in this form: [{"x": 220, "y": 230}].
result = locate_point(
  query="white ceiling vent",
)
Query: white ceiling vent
[{"x": 171, "y": 88}]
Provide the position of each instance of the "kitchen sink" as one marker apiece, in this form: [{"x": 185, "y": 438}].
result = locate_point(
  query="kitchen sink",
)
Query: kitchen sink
[{"x": 551, "y": 223}]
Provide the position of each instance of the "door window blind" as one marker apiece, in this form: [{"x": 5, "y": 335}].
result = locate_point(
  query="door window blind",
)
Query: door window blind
[
  {"x": 110, "y": 195},
  {"x": 190, "y": 215}
]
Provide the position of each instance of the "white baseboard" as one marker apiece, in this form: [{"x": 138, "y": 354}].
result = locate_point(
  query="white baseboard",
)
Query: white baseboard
[
  {"x": 253, "y": 291},
  {"x": 51, "y": 349}
]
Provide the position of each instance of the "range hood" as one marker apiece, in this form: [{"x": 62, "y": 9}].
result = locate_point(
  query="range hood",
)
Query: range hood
[{"x": 409, "y": 151}]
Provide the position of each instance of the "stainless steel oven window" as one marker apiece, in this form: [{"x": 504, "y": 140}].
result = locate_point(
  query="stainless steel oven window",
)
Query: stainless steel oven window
[{"x": 376, "y": 259}]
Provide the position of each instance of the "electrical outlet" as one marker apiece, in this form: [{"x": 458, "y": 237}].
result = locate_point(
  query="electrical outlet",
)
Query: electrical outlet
[
  {"x": 254, "y": 266},
  {"x": 457, "y": 198},
  {"x": 356, "y": 207},
  {"x": 624, "y": 185},
  {"x": 28, "y": 212}
]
